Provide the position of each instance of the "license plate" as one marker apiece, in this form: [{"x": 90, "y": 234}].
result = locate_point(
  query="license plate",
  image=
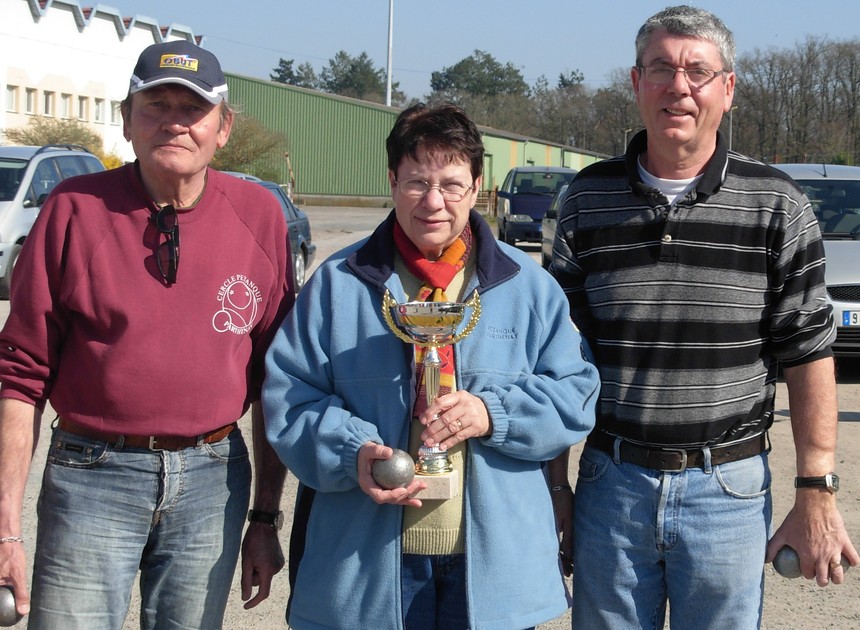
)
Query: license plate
[{"x": 851, "y": 318}]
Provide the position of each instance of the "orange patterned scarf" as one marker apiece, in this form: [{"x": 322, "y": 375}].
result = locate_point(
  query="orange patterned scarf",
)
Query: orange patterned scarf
[{"x": 435, "y": 275}]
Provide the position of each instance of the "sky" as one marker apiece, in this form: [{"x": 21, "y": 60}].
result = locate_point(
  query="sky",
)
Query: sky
[{"x": 539, "y": 37}]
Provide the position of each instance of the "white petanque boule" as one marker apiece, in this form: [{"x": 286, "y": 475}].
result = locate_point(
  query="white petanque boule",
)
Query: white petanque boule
[{"x": 397, "y": 471}]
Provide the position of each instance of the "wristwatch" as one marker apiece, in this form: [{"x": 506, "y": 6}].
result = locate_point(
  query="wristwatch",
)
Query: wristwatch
[
  {"x": 828, "y": 481},
  {"x": 274, "y": 519}
]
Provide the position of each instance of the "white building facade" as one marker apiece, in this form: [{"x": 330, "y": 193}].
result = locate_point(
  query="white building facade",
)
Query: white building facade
[{"x": 60, "y": 60}]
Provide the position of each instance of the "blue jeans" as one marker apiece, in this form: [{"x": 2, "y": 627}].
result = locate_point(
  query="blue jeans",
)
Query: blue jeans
[
  {"x": 696, "y": 538},
  {"x": 106, "y": 512},
  {"x": 434, "y": 592}
]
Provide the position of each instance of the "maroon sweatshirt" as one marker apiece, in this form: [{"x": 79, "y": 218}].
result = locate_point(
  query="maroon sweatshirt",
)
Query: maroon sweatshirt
[{"x": 94, "y": 327}]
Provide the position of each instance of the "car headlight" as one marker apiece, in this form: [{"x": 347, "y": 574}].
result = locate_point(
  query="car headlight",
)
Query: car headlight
[{"x": 520, "y": 218}]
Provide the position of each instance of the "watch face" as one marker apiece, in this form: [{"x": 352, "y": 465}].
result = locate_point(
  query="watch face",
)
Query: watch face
[
  {"x": 833, "y": 482},
  {"x": 279, "y": 519}
]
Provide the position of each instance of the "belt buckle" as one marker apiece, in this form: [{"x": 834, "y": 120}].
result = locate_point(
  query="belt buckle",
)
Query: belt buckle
[
  {"x": 152, "y": 441},
  {"x": 682, "y": 453}
]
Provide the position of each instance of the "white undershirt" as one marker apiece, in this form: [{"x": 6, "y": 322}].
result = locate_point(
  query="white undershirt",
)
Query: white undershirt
[{"x": 671, "y": 188}]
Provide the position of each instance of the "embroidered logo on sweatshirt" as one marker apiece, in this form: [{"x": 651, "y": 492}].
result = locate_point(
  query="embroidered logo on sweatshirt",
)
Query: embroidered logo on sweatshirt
[{"x": 240, "y": 299}]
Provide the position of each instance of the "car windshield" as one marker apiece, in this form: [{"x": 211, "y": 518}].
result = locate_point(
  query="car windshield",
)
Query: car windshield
[
  {"x": 837, "y": 206},
  {"x": 540, "y": 183},
  {"x": 11, "y": 172}
]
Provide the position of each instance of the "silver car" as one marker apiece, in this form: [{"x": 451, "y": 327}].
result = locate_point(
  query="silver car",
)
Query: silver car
[
  {"x": 27, "y": 175},
  {"x": 834, "y": 192},
  {"x": 547, "y": 227}
]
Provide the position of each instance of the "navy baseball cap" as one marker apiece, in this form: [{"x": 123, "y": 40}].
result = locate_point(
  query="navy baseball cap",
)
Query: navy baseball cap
[{"x": 182, "y": 63}]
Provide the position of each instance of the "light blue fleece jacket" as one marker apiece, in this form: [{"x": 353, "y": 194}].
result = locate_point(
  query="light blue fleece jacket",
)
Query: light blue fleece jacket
[{"x": 337, "y": 378}]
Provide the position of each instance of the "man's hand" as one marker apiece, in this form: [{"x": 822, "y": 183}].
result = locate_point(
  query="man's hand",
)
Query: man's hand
[
  {"x": 262, "y": 558},
  {"x": 815, "y": 529},
  {"x": 562, "y": 505},
  {"x": 19, "y": 428},
  {"x": 13, "y": 574}
]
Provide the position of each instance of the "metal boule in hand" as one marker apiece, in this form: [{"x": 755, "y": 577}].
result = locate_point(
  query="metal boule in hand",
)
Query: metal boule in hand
[
  {"x": 8, "y": 614},
  {"x": 397, "y": 471},
  {"x": 787, "y": 563}
]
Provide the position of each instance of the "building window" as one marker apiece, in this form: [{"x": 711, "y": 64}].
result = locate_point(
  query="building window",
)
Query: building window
[
  {"x": 83, "y": 107},
  {"x": 48, "y": 103},
  {"x": 11, "y": 98},
  {"x": 115, "y": 115},
  {"x": 31, "y": 101},
  {"x": 65, "y": 106},
  {"x": 99, "y": 110}
]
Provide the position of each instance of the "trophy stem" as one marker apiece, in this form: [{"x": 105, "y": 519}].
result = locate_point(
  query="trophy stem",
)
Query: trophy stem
[{"x": 432, "y": 372}]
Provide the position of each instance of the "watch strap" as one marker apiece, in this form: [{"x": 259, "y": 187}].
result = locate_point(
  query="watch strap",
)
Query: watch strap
[
  {"x": 273, "y": 519},
  {"x": 829, "y": 481}
]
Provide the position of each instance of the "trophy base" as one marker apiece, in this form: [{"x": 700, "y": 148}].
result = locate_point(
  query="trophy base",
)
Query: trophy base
[{"x": 444, "y": 486}]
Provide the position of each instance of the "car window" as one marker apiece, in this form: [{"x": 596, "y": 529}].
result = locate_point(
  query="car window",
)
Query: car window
[
  {"x": 45, "y": 178},
  {"x": 91, "y": 164},
  {"x": 293, "y": 211},
  {"x": 540, "y": 183},
  {"x": 836, "y": 204},
  {"x": 552, "y": 212},
  {"x": 286, "y": 206},
  {"x": 11, "y": 173},
  {"x": 70, "y": 165}
]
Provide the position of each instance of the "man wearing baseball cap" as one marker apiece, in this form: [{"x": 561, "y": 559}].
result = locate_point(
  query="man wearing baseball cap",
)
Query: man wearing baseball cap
[{"x": 149, "y": 353}]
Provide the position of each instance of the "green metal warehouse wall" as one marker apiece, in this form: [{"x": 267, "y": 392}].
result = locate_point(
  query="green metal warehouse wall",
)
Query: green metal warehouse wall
[{"x": 337, "y": 144}]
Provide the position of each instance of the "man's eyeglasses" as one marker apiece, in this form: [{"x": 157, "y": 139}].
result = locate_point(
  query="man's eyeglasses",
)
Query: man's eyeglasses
[
  {"x": 697, "y": 77},
  {"x": 417, "y": 188},
  {"x": 167, "y": 254}
]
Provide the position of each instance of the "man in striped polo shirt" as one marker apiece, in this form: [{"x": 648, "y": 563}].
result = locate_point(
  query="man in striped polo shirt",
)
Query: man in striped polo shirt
[{"x": 694, "y": 272}]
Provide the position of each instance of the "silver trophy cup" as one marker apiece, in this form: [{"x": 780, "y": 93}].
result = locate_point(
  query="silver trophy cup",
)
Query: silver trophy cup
[{"x": 431, "y": 325}]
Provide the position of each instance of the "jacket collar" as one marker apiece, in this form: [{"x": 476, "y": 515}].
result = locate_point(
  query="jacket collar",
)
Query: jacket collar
[
  {"x": 374, "y": 261},
  {"x": 712, "y": 178}
]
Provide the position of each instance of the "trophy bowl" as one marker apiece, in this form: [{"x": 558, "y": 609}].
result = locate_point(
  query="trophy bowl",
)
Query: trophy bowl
[{"x": 430, "y": 322}]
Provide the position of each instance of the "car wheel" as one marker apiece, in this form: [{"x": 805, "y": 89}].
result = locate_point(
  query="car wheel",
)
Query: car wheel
[
  {"x": 6, "y": 281},
  {"x": 299, "y": 270}
]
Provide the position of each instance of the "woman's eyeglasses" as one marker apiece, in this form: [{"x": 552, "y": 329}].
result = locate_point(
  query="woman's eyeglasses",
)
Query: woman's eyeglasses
[
  {"x": 167, "y": 254},
  {"x": 417, "y": 188}
]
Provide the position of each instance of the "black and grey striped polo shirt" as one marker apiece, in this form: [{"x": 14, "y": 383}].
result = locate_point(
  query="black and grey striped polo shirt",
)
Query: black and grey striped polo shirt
[{"x": 689, "y": 308}]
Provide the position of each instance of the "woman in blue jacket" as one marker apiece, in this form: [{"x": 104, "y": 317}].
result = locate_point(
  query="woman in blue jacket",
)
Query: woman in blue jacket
[{"x": 342, "y": 391}]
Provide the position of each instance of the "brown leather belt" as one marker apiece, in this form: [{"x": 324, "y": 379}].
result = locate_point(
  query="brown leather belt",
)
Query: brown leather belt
[
  {"x": 676, "y": 459},
  {"x": 151, "y": 442}
]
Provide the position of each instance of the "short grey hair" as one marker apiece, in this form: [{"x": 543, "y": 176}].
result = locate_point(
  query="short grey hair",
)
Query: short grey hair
[{"x": 688, "y": 21}]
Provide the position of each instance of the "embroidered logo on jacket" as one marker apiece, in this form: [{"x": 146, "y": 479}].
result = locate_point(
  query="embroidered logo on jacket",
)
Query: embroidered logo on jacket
[{"x": 240, "y": 298}]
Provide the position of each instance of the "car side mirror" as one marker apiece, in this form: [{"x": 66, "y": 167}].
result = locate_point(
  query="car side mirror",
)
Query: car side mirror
[{"x": 505, "y": 195}]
